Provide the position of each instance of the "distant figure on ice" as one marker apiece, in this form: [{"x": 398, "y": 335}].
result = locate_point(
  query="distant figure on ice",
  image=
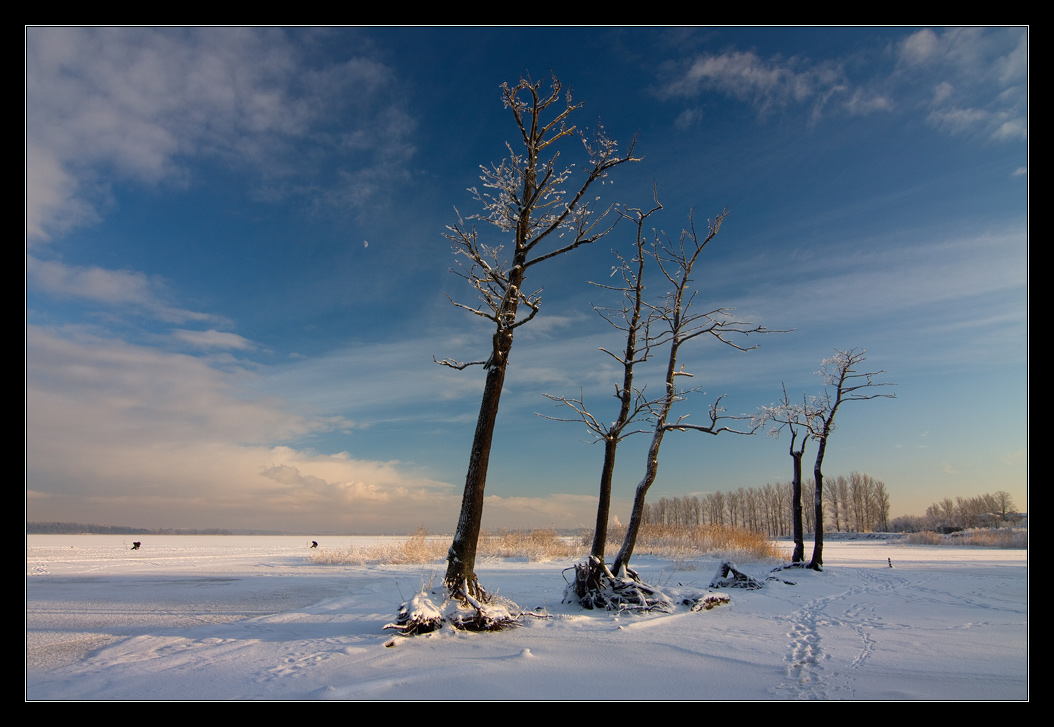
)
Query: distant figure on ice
[
  {"x": 135, "y": 545},
  {"x": 314, "y": 543}
]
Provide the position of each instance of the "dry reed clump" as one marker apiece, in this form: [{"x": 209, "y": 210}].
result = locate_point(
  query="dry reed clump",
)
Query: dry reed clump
[
  {"x": 684, "y": 544},
  {"x": 925, "y": 537},
  {"x": 983, "y": 538},
  {"x": 535, "y": 545}
]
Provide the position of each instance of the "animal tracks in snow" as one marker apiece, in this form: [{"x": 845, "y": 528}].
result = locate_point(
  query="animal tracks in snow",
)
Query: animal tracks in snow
[{"x": 831, "y": 638}]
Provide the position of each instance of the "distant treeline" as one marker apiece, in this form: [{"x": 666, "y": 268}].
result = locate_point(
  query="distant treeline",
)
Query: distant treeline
[
  {"x": 82, "y": 528},
  {"x": 857, "y": 503},
  {"x": 990, "y": 510}
]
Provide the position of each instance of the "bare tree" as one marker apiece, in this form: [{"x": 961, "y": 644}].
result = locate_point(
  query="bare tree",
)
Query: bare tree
[
  {"x": 843, "y": 383},
  {"x": 968, "y": 512},
  {"x": 681, "y": 324},
  {"x": 792, "y": 418},
  {"x": 672, "y": 323},
  {"x": 523, "y": 197},
  {"x": 1004, "y": 504},
  {"x": 632, "y": 318}
]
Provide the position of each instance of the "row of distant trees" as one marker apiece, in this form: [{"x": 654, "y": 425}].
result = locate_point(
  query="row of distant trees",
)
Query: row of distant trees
[
  {"x": 993, "y": 509},
  {"x": 858, "y": 503},
  {"x": 67, "y": 528}
]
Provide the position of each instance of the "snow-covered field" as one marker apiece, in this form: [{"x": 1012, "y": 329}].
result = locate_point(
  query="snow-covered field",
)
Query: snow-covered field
[{"x": 196, "y": 617}]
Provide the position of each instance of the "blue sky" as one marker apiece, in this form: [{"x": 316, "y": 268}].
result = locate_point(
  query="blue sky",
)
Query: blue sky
[{"x": 236, "y": 278}]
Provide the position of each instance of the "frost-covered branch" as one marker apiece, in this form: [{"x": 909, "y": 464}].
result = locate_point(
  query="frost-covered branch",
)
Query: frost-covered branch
[
  {"x": 716, "y": 416},
  {"x": 459, "y": 365}
]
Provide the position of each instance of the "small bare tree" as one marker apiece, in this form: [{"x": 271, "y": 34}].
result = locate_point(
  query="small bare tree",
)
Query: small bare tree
[
  {"x": 1004, "y": 505},
  {"x": 843, "y": 383},
  {"x": 524, "y": 197},
  {"x": 793, "y": 418}
]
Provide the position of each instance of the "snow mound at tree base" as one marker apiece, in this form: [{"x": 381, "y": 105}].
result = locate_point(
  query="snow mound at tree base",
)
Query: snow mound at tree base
[{"x": 420, "y": 615}]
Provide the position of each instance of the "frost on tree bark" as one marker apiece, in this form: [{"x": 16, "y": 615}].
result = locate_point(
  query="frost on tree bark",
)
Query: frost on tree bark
[{"x": 525, "y": 197}]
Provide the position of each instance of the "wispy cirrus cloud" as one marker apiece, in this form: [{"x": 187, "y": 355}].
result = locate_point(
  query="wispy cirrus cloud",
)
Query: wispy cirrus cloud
[
  {"x": 765, "y": 83},
  {"x": 972, "y": 80},
  {"x": 213, "y": 339},
  {"x": 965, "y": 80}
]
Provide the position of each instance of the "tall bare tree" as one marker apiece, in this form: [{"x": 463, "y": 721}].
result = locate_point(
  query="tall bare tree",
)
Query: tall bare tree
[
  {"x": 844, "y": 383},
  {"x": 681, "y": 324},
  {"x": 633, "y": 319},
  {"x": 524, "y": 197}
]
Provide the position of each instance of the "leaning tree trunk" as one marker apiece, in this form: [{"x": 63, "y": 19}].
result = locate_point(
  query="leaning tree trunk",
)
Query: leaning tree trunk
[
  {"x": 460, "y": 577},
  {"x": 637, "y": 516},
  {"x": 651, "y": 471}
]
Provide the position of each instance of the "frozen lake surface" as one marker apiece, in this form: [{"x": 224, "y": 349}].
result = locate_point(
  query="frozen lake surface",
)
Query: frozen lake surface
[{"x": 233, "y": 617}]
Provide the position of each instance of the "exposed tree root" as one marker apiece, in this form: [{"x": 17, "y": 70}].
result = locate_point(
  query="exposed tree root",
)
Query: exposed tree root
[
  {"x": 706, "y": 602},
  {"x": 728, "y": 576},
  {"x": 800, "y": 565},
  {"x": 594, "y": 586},
  {"x": 790, "y": 566},
  {"x": 494, "y": 614}
]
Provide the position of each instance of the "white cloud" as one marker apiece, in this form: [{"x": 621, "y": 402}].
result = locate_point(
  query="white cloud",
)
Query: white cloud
[
  {"x": 138, "y": 103},
  {"x": 775, "y": 82},
  {"x": 967, "y": 80},
  {"x": 558, "y": 510},
  {"x": 117, "y": 433},
  {"x": 918, "y": 47},
  {"x": 166, "y": 438},
  {"x": 978, "y": 78},
  {"x": 864, "y": 102},
  {"x": 50, "y": 196},
  {"x": 124, "y": 288},
  {"x": 688, "y": 118},
  {"x": 214, "y": 339}
]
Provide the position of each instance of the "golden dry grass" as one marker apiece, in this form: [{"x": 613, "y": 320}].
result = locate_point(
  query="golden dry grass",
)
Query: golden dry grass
[
  {"x": 418, "y": 548},
  {"x": 684, "y": 544},
  {"x": 680, "y": 544},
  {"x": 535, "y": 545}
]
